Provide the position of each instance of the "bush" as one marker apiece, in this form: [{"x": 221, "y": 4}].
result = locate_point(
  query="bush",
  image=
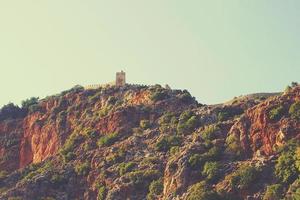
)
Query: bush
[
  {"x": 26, "y": 104},
  {"x": 209, "y": 132},
  {"x": 294, "y": 110},
  {"x": 108, "y": 140},
  {"x": 228, "y": 112},
  {"x": 211, "y": 171},
  {"x": 244, "y": 177},
  {"x": 187, "y": 122},
  {"x": 82, "y": 169},
  {"x": 143, "y": 178},
  {"x": 3, "y": 174},
  {"x": 145, "y": 124},
  {"x": 159, "y": 95},
  {"x": 69, "y": 146},
  {"x": 57, "y": 179},
  {"x": 156, "y": 188},
  {"x": 174, "y": 150},
  {"x": 196, "y": 161},
  {"x": 276, "y": 113},
  {"x": 11, "y": 111},
  {"x": 233, "y": 146},
  {"x": 223, "y": 115},
  {"x": 101, "y": 192},
  {"x": 165, "y": 143},
  {"x": 14, "y": 198},
  {"x": 125, "y": 167},
  {"x": 201, "y": 191},
  {"x": 273, "y": 192},
  {"x": 167, "y": 123},
  {"x": 294, "y": 190},
  {"x": 285, "y": 169}
]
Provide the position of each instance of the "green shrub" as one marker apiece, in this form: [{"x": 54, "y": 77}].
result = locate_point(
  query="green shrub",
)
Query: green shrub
[
  {"x": 150, "y": 161},
  {"x": 228, "y": 112},
  {"x": 26, "y": 104},
  {"x": 201, "y": 191},
  {"x": 276, "y": 113},
  {"x": 212, "y": 170},
  {"x": 174, "y": 150},
  {"x": 209, "y": 133},
  {"x": 294, "y": 110},
  {"x": 11, "y": 111},
  {"x": 143, "y": 178},
  {"x": 156, "y": 188},
  {"x": 145, "y": 124},
  {"x": 223, "y": 116},
  {"x": 159, "y": 95},
  {"x": 294, "y": 191},
  {"x": 57, "y": 179},
  {"x": 125, "y": 167},
  {"x": 233, "y": 146},
  {"x": 297, "y": 158},
  {"x": 108, "y": 140},
  {"x": 116, "y": 156},
  {"x": 167, "y": 123},
  {"x": 244, "y": 177},
  {"x": 166, "y": 118},
  {"x": 15, "y": 198},
  {"x": 187, "y": 122},
  {"x": 165, "y": 143},
  {"x": 101, "y": 192},
  {"x": 273, "y": 192},
  {"x": 186, "y": 97},
  {"x": 69, "y": 146},
  {"x": 82, "y": 169},
  {"x": 196, "y": 161},
  {"x": 285, "y": 169},
  {"x": 3, "y": 174}
]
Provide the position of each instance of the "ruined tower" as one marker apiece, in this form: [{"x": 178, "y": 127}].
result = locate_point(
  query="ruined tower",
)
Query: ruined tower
[{"x": 120, "y": 78}]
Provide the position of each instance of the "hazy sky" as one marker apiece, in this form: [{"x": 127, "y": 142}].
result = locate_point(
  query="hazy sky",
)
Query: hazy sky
[{"x": 215, "y": 49}]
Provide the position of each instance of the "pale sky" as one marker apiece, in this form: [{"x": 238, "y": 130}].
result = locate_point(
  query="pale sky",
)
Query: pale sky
[{"x": 215, "y": 49}]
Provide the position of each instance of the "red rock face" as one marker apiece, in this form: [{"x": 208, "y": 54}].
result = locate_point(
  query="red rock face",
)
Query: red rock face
[
  {"x": 259, "y": 133},
  {"x": 41, "y": 134},
  {"x": 38, "y": 142}
]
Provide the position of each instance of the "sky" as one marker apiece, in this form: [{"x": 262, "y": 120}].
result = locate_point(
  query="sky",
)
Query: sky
[{"x": 216, "y": 49}]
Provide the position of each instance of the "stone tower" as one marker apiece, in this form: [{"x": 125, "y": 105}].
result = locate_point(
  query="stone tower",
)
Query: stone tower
[{"x": 120, "y": 78}]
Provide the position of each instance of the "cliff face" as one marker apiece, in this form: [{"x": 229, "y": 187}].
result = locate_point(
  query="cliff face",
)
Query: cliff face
[
  {"x": 137, "y": 142},
  {"x": 260, "y": 134}
]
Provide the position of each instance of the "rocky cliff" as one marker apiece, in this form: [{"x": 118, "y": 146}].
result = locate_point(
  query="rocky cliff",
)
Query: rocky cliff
[{"x": 148, "y": 142}]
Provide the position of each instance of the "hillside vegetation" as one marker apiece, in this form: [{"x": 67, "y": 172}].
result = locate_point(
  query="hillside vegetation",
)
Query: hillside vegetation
[{"x": 147, "y": 142}]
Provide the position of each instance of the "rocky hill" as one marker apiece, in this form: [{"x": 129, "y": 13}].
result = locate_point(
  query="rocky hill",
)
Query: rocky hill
[{"x": 148, "y": 142}]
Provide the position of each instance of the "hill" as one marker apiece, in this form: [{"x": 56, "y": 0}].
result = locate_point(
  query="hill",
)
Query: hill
[{"x": 149, "y": 142}]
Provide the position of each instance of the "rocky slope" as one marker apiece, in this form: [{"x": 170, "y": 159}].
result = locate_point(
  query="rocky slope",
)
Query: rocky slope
[{"x": 148, "y": 142}]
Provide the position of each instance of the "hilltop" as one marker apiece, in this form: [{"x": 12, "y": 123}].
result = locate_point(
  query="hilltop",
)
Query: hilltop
[{"x": 150, "y": 142}]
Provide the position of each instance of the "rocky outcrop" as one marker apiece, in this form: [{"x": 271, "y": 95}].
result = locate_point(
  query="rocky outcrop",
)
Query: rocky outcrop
[{"x": 136, "y": 141}]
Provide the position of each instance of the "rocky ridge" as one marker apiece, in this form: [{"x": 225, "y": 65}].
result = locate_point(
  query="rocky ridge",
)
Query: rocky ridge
[{"x": 148, "y": 142}]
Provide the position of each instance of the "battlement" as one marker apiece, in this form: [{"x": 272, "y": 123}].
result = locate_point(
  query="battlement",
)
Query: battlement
[
  {"x": 97, "y": 86},
  {"x": 120, "y": 81}
]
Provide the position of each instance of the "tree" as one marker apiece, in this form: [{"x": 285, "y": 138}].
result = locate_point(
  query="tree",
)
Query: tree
[
  {"x": 201, "y": 191},
  {"x": 11, "y": 111},
  {"x": 212, "y": 170},
  {"x": 276, "y": 113},
  {"x": 294, "y": 84},
  {"x": 285, "y": 169},
  {"x": 273, "y": 192},
  {"x": 29, "y": 102},
  {"x": 294, "y": 110}
]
